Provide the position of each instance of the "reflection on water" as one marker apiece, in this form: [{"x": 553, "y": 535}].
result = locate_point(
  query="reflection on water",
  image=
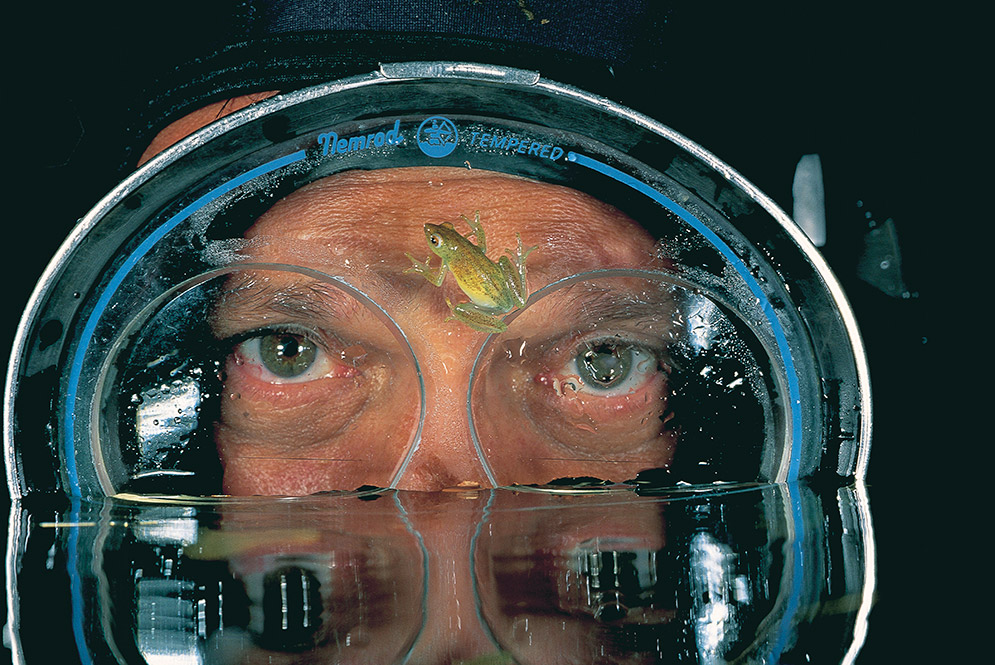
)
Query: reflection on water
[{"x": 764, "y": 574}]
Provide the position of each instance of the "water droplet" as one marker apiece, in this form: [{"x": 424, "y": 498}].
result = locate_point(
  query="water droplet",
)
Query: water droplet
[{"x": 354, "y": 353}]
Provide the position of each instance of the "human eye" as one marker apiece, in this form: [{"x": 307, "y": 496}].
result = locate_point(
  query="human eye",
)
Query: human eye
[
  {"x": 288, "y": 357},
  {"x": 614, "y": 383},
  {"x": 611, "y": 367}
]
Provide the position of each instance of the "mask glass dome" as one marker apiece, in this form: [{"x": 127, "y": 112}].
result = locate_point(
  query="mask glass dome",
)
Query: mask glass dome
[{"x": 261, "y": 309}]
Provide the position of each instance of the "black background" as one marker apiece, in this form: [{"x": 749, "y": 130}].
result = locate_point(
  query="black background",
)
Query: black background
[{"x": 858, "y": 86}]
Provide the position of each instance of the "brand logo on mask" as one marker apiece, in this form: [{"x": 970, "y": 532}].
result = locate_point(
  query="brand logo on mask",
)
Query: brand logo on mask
[
  {"x": 331, "y": 144},
  {"x": 437, "y": 136}
]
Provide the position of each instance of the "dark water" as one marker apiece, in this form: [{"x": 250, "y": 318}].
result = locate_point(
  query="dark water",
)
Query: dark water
[{"x": 764, "y": 574}]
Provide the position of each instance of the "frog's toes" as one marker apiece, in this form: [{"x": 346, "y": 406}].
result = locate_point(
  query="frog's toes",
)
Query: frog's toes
[
  {"x": 452, "y": 312},
  {"x": 417, "y": 266},
  {"x": 529, "y": 250}
]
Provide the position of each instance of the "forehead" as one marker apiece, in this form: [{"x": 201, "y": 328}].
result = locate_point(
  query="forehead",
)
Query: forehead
[{"x": 386, "y": 210}]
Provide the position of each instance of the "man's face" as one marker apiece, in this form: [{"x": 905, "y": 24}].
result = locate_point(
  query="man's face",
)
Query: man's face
[{"x": 320, "y": 394}]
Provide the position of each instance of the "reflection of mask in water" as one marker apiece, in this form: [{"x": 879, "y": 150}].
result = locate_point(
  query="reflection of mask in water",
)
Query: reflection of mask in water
[
  {"x": 714, "y": 578},
  {"x": 173, "y": 346},
  {"x": 773, "y": 573}
]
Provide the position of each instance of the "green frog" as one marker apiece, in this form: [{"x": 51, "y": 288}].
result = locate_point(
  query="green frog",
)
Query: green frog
[{"x": 493, "y": 288}]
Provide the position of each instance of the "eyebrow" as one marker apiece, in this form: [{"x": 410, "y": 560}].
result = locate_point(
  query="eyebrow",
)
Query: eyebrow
[
  {"x": 251, "y": 299},
  {"x": 614, "y": 304}
]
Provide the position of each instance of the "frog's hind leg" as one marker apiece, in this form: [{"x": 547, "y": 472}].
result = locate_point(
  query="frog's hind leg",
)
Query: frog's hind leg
[
  {"x": 476, "y": 230},
  {"x": 514, "y": 268},
  {"x": 477, "y": 318}
]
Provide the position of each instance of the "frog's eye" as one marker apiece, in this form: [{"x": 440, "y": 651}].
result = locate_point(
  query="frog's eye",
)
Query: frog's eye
[{"x": 435, "y": 239}]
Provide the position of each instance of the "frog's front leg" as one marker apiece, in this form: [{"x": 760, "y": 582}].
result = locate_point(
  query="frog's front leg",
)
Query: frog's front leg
[
  {"x": 477, "y": 317},
  {"x": 514, "y": 271},
  {"x": 425, "y": 270},
  {"x": 476, "y": 230}
]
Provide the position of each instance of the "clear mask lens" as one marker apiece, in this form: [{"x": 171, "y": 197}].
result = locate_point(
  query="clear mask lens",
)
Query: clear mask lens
[
  {"x": 614, "y": 373},
  {"x": 244, "y": 376}
]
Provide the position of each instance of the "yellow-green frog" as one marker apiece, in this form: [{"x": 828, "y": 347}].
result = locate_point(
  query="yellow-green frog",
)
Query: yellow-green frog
[{"x": 493, "y": 288}]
